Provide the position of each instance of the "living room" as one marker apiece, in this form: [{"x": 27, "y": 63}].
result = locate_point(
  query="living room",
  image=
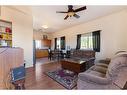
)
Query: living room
[{"x": 109, "y": 21}]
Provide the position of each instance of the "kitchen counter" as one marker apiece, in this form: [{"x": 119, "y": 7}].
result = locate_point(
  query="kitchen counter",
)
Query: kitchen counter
[{"x": 41, "y": 53}]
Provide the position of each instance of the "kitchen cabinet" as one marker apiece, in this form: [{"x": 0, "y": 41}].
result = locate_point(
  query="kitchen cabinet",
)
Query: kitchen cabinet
[
  {"x": 40, "y": 53},
  {"x": 46, "y": 43}
]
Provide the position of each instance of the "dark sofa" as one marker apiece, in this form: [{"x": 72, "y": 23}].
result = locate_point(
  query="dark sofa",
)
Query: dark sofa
[{"x": 82, "y": 55}]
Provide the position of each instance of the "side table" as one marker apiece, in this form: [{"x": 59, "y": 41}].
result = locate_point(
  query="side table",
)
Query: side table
[{"x": 18, "y": 77}]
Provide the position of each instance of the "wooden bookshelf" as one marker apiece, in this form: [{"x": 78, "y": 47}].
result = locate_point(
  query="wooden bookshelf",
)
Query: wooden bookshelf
[{"x": 5, "y": 33}]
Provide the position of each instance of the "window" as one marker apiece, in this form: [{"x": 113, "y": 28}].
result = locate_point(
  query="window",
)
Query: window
[
  {"x": 89, "y": 41},
  {"x": 86, "y": 41},
  {"x": 38, "y": 44},
  {"x": 58, "y": 43}
]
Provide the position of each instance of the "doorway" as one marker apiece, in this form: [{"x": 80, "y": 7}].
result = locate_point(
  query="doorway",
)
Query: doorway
[{"x": 40, "y": 51}]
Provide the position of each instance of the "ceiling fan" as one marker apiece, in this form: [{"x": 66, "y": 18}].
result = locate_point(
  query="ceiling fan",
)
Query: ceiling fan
[{"x": 72, "y": 12}]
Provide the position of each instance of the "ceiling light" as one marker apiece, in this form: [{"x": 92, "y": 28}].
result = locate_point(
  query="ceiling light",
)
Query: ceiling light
[
  {"x": 70, "y": 13},
  {"x": 45, "y": 26}
]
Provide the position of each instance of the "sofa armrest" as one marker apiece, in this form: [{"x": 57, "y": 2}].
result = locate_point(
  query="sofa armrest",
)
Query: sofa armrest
[
  {"x": 90, "y": 62},
  {"x": 92, "y": 58},
  {"x": 93, "y": 78},
  {"x": 88, "y": 59},
  {"x": 106, "y": 61}
]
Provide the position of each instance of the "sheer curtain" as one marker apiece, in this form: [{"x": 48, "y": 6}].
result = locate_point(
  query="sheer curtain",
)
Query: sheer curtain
[
  {"x": 89, "y": 41},
  {"x": 86, "y": 41}
]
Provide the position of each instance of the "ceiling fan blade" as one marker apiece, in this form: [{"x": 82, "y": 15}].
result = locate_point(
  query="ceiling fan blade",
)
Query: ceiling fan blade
[
  {"x": 77, "y": 16},
  {"x": 80, "y": 9},
  {"x": 66, "y": 17},
  {"x": 61, "y": 12}
]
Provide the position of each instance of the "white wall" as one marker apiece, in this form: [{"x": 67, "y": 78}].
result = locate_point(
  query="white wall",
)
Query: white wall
[
  {"x": 113, "y": 34},
  {"x": 22, "y": 31},
  {"x": 38, "y": 35}
]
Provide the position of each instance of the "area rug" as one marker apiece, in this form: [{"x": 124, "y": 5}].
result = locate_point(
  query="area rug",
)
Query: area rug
[{"x": 66, "y": 78}]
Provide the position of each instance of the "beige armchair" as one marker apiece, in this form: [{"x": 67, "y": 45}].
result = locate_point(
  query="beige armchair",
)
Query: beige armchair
[{"x": 104, "y": 75}]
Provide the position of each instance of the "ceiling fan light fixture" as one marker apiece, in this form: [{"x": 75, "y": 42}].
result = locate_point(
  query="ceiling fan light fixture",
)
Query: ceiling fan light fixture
[{"x": 70, "y": 13}]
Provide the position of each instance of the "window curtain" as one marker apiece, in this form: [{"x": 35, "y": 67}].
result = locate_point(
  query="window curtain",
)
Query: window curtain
[
  {"x": 62, "y": 43},
  {"x": 55, "y": 43},
  {"x": 78, "y": 41},
  {"x": 96, "y": 40}
]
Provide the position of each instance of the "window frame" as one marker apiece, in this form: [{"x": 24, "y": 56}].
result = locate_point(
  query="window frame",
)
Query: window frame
[
  {"x": 38, "y": 44},
  {"x": 87, "y": 35}
]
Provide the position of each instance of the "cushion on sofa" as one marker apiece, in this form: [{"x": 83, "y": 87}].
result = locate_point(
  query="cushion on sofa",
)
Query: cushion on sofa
[
  {"x": 93, "y": 72},
  {"x": 100, "y": 69},
  {"x": 94, "y": 77},
  {"x": 106, "y": 61},
  {"x": 102, "y": 65},
  {"x": 82, "y": 53},
  {"x": 88, "y": 54}
]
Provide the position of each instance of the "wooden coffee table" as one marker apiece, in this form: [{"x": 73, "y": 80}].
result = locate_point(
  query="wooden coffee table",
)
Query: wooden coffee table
[{"x": 73, "y": 65}]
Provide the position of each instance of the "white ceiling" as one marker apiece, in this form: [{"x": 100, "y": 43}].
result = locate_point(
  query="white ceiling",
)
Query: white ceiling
[{"x": 46, "y": 15}]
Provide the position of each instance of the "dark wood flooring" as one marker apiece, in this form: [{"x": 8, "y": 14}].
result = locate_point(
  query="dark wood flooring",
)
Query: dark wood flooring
[{"x": 36, "y": 79}]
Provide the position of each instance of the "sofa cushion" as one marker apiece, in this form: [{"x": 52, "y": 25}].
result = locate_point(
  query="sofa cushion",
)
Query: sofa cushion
[
  {"x": 100, "y": 69},
  {"x": 105, "y": 61},
  {"x": 88, "y": 54},
  {"x": 77, "y": 53},
  {"x": 82, "y": 53},
  {"x": 102, "y": 65},
  {"x": 96, "y": 73},
  {"x": 94, "y": 77},
  {"x": 74, "y": 57}
]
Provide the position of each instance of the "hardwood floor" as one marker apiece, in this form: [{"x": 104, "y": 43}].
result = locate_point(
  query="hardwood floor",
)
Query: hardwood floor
[
  {"x": 43, "y": 60},
  {"x": 36, "y": 79}
]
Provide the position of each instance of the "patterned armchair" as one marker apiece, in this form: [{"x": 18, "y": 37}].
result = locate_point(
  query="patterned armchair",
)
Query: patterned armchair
[{"x": 104, "y": 75}]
